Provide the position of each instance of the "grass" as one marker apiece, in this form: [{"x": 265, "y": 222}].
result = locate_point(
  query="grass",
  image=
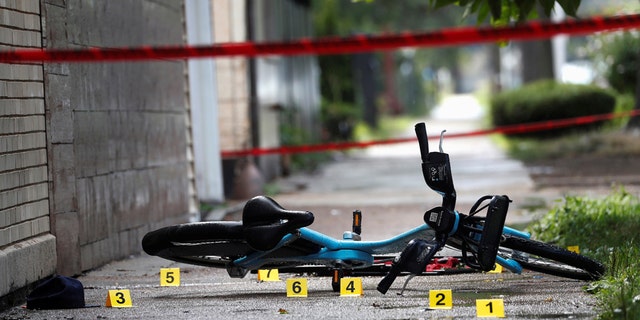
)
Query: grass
[
  {"x": 619, "y": 292},
  {"x": 607, "y": 230}
]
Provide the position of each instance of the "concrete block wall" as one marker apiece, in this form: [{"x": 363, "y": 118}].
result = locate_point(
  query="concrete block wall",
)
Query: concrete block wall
[
  {"x": 117, "y": 135},
  {"x": 27, "y": 248}
]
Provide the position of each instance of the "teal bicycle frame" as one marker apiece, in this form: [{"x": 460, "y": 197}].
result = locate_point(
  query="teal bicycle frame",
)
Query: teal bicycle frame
[{"x": 349, "y": 253}]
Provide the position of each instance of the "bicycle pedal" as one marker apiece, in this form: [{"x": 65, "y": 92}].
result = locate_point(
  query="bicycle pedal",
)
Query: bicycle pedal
[{"x": 356, "y": 225}]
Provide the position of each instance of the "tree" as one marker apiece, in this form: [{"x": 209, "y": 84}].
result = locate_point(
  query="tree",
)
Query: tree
[
  {"x": 344, "y": 18},
  {"x": 537, "y": 54},
  {"x": 343, "y": 84},
  {"x": 502, "y": 12}
]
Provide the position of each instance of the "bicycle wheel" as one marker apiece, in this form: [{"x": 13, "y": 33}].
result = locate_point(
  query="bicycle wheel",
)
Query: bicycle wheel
[
  {"x": 211, "y": 244},
  {"x": 217, "y": 244},
  {"x": 546, "y": 258}
]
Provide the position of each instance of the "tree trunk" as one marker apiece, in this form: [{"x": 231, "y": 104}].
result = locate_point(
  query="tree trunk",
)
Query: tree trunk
[
  {"x": 363, "y": 65},
  {"x": 495, "y": 67},
  {"x": 537, "y": 60},
  {"x": 391, "y": 93},
  {"x": 537, "y": 57},
  {"x": 634, "y": 122}
]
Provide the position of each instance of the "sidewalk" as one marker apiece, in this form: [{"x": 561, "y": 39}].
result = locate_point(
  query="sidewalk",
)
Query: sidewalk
[
  {"x": 386, "y": 183},
  {"x": 207, "y": 293}
]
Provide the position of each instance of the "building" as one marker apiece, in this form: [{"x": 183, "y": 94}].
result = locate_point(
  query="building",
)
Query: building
[{"x": 94, "y": 155}]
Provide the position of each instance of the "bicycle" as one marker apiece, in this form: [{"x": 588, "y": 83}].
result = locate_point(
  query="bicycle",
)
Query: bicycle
[{"x": 271, "y": 237}]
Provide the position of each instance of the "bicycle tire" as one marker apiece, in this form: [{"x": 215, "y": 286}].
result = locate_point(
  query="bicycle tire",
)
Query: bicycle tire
[
  {"x": 214, "y": 244},
  {"x": 550, "y": 259},
  {"x": 211, "y": 244}
]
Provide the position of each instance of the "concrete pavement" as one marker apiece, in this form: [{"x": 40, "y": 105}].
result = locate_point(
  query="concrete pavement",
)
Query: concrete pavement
[
  {"x": 386, "y": 183},
  {"x": 210, "y": 294}
]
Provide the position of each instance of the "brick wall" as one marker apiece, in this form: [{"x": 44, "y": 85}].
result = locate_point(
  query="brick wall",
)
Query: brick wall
[
  {"x": 92, "y": 155},
  {"x": 232, "y": 74},
  {"x": 233, "y": 97},
  {"x": 27, "y": 249},
  {"x": 117, "y": 133},
  {"x": 252, "y": 95}
]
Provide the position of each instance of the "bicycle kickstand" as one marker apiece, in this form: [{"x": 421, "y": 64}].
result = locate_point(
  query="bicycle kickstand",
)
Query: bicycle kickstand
[{"x": 406, "y": 282}]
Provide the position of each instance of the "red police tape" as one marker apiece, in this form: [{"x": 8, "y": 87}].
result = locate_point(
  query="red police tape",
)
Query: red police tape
[
  {"x": 359, "y": 43},
  {"x": 332, "y": 45},
  {"x": 511, "y": 129}
]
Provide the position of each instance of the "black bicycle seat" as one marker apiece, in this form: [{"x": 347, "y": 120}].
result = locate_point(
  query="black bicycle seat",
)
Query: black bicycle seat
[{"x": 265, "y": 222}]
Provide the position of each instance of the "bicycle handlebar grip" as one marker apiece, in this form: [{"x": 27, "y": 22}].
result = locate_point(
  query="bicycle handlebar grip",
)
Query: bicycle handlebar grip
[
  {"x": 421, "y": 133},
  {"x": 388, "y": 280},
  {"x": 410, "y": 259}
]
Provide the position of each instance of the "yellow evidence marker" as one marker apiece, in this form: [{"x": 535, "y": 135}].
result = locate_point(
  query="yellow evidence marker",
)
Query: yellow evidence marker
[
  {"x": 496, "y": 269},
  {"x": 170, "y": 277},
  {"x": 440, "y": 299},
  {"x": 297, "y": 288},
  {"x": 490, "y": 308},
  {"x": 120, "y": 298},
  {"x": 268, "y": 275},
  {"x": 575, "y": 249},
  {"x": 351, "y": 287}
]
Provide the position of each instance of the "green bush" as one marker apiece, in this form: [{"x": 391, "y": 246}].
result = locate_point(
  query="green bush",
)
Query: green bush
[
  {"x": 549, "y": 100},
  {"x": 338, "y": 120}
]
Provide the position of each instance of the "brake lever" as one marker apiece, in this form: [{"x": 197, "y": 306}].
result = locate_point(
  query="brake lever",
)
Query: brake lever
[
  {"x": 441, "y": 139},
  {"x": 414, "y": 259}
]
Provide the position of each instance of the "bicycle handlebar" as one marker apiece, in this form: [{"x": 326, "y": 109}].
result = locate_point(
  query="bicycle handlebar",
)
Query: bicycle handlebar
[
  {"x": 436, "y": 169},
  {"x": 421, "y": 133}
]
